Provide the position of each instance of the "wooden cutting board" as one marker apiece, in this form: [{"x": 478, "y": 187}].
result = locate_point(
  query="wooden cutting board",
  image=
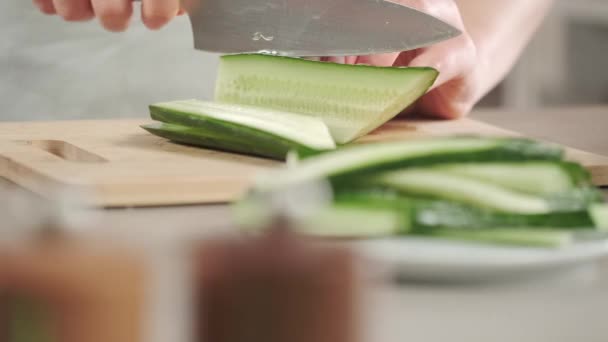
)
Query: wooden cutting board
[{"x": 119, "y": 164}]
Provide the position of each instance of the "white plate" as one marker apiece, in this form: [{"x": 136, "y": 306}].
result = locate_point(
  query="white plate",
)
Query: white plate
[{"x": 441, "y": 260}]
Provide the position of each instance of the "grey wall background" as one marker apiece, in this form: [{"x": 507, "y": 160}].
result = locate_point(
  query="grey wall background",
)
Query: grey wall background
[{"x": 55, "y": 70}]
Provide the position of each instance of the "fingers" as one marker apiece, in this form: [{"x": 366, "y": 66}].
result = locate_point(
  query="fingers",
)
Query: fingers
[
  {"x": 114, "y": 15},
  {"x": 383, "y": 60},
  {"x": 157, "y": 13},
  {"x": 45, "y": 6},
  {"x": 74, "y": 10},
  {"x": 452, "y": 59}
]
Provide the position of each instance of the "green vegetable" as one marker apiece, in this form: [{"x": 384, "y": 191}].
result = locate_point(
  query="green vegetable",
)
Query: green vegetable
[
  {"x": 534, "y": 177},
  {"x": 599, "y": 214},
  {"x": 202, "y": 138},
  {"x": 422, "y": 214},
  {"x": 507, "y": 236},
  {"x": 352, "y": 100},
  {"x": 478, "y": 193},
  {"x": 486, "y": 190},
  {"x": 371, "y": 158},
  {"x": 240, "y": 129},
  {"x": 356, "y": 221},
  {"x": 492, "y": 190}
]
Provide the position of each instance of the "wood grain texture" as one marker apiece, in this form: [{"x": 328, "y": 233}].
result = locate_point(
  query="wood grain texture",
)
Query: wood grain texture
[{"x": 118, "y": 164}]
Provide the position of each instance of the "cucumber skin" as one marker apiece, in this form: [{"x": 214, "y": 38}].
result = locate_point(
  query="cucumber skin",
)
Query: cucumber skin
[
  {"x": 576, "y": 175},
  {"x": 498, "y": 150},
  {"x": 425, "y": 214},
  {"x": 509, "y": 149},
  {"x": 386, "y": 222},
  {"x": 225, "y": 95},
  {"x": 201, "y": 138},
  {"x": 599, "y": 214},
  {"x": 507, "y": 237},
  {"x": 262, "y": 144}
]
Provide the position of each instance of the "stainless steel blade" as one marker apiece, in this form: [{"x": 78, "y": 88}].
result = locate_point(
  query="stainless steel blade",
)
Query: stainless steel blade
[{"x": 307, "y": 28}]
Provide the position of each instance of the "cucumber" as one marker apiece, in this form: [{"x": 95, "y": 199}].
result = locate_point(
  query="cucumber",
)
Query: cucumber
[
  {"x": 253, "y": 146},
  {"x": 505, "y": 236},
  {"x": 356, "y": 221},
  {"x": 599, "y": 214},
  {"x": 424, "y": 214},
  {"x": 347, "y": 221},
  {"x": 341, "y": 220},
  {"x": 352, "y": 100},
  {"x": 535, "y": 177},
  {"x": 264, "y": 128},
  {"x": 450, "y": 187},
  {"x": 364, "y": 159}
]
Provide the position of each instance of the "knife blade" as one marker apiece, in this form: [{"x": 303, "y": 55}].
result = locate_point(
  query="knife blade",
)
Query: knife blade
[{"x": 312, "y": 28}]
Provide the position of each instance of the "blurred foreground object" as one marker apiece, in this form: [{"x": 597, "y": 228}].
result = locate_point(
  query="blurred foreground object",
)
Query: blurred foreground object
[
  {"x": 62, "y": 291},
  {"x": 56, "y": 286},
  {"x": 275, "y": 288}
]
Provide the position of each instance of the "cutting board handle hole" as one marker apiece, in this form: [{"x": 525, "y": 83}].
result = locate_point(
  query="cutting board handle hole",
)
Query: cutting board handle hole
[{"x": 67, "y": 151}]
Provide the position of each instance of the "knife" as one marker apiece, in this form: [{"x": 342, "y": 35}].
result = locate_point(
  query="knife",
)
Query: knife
[{"x": 312, "y": 28}]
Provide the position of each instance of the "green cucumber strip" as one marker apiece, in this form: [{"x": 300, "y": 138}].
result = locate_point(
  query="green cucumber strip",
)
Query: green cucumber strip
[
  {"x": 338, "y": 221},
  {"x": 599, "y": 214},
  {"x": 576, "y": 199},
  {"x": 352, "y": 100},
  {"x": 449, "y": 187},
  {"x": 346, "y": 221},
  {"x": 353, "y": 221},
  {"x": 505, "y": 236},
  {"x": 199, "y": 137},
  {"x": 535, "y": 177},
  {"x": 246, "y": 121},
  {"x": 425, "y": 214},
  {"x": 360, "y": 159}
]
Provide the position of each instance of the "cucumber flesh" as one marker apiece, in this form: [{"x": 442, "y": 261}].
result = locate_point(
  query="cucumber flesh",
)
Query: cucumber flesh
[
  {"x": 446, "y": 186},
  {"x": 345, "y": 221},
  {"x": 254, "y": 146},
  {"x": 538, "y": 178},
  {"x": 235, "y": 120},
  {"x": 599, "y": 214},
  {"x": 506, "y": 236},
  {"x": 360, "y": 159},
  {"x": 423, "y": 214},
  {"x": 338, "y": 221},
  {"x": 352, "y": 100},
  {"x": 353, "y": 221}
]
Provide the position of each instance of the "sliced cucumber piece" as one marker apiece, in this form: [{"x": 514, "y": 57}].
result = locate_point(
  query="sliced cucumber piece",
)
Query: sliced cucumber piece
[
  {"x": 200, "y": 137},
  {"x": 535, "y": 177},
  {"x": 347, "y": 221},
  {"x": 506, "y": 236},
  {"x": 353, "y": 100},
  {"x": 352, "y": 220},
  {"x": 449, "y": 187},
  {"x": 337, "y": 221},
  {"x": 252, "y": 125},
  {"x": 599, "y": 214},
  {"x": 361, "y": 159},
  {"x": 424, "y": 214}
]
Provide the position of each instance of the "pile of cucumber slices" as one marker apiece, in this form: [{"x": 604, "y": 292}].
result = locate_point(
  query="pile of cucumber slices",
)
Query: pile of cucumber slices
[
  {"x": 494, "y": 190},
  {"x": 267, "y": 106}
]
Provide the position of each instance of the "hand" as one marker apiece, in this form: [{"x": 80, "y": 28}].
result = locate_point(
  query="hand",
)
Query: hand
[
  {"x": 114, "y": 15},
  {"x": 455, "y": 92}
]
